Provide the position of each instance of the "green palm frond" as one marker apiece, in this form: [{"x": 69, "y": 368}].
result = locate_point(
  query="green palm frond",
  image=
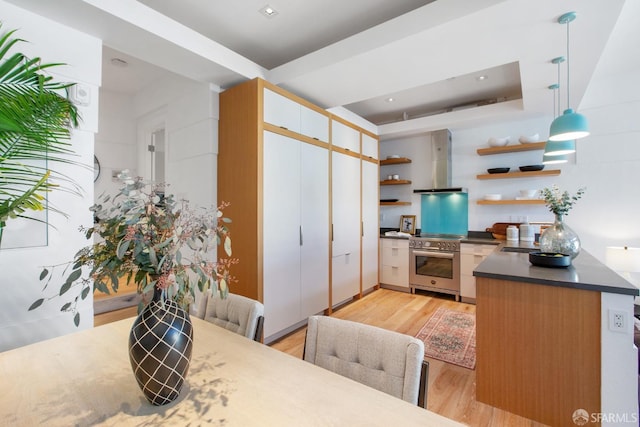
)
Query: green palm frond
[{"x": 35, "y": 130}]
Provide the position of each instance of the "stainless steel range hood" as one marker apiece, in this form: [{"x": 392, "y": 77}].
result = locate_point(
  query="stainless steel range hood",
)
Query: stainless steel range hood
[{"x": 441, "y": 164}]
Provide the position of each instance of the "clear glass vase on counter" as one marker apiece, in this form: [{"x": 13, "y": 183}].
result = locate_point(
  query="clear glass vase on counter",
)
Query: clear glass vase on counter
[{"x": 559, "y": 238}]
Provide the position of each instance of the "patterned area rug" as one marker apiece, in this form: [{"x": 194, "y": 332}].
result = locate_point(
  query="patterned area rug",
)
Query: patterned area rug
[{"x": 450, "y": 336}]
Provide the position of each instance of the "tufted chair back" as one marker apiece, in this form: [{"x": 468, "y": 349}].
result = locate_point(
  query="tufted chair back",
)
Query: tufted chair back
[
  {"x": 236, "y": 313},
  {"x": 385, "y": 360}
]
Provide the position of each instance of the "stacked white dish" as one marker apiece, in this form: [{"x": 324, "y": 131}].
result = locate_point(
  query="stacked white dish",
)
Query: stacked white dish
[
  {"x": 527, "y": 194},
  {"x": 493, "y": 196}
]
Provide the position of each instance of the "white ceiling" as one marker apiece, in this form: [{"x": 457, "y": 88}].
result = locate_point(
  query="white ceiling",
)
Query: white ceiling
[{"x": 427, "y": 55}]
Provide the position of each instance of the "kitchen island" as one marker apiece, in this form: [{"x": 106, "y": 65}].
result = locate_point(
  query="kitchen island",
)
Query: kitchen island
[{"x": 545, "y": 345}]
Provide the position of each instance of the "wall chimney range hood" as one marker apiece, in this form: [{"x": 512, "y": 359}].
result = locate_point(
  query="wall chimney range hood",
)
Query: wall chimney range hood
[{"x": 441, "y": 168}]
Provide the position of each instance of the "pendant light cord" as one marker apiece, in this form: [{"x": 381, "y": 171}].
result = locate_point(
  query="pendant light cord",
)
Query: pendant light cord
[
  {"x": 558, "y": 95},
  {"x": 568, "y": 104}
]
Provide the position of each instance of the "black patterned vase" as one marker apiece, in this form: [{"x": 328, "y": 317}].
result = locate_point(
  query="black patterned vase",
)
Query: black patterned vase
[{"x": 160, "y": 345}]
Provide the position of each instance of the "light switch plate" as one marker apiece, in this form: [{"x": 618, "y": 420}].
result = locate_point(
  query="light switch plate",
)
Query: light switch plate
[{"x": 80, "y": 94}]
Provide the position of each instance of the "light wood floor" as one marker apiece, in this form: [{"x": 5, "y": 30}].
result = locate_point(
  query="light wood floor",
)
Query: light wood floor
[{"x": 451, "y": 388}]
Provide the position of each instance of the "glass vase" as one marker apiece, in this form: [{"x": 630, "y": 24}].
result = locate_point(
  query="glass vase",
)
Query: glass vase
[{"x": 559, "y": 238}]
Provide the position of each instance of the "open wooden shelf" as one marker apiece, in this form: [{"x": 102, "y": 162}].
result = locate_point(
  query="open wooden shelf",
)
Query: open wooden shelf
[
  {"x": 515, "y": 148},
  {"x": 395, "y": 182},
  {"x": 399, "y": 160},
  {"x": 550, "y": 172},
  {"x": 395, "y": 203},
  {"x": 511, "y": 202}
]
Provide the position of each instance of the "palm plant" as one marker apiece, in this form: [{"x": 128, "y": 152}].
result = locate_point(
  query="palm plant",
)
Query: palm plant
[{"x": 35, "y": 121}]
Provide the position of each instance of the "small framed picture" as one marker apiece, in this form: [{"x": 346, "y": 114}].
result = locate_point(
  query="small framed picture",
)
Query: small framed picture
[{"x": 408, "y": 224}]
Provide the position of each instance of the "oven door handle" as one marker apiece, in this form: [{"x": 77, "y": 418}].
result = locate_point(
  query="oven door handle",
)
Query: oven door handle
[{"x": 447, "y": 255}]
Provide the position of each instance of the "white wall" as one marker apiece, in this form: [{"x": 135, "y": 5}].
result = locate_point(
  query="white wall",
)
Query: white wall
[
  {"x": 418, "y": 149},
  {"x": 191, "y": 112},
  {"x": 467, "y": 164},
  {"x": 116, "y": 145},
  {"x": 19, "y": 285}
]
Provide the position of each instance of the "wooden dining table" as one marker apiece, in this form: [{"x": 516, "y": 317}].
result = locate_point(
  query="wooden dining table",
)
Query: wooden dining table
[{"x": 85, "y": 379}]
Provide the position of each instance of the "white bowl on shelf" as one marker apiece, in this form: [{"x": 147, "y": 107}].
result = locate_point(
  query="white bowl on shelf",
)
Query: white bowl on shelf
[
  {"x": 498, "y": 142},
  {"x": 529, "y": 139},
  {"x": 393, "y": 156},
  {"x": 493, "y": 196},
  {"x": 528, "y": 194}
]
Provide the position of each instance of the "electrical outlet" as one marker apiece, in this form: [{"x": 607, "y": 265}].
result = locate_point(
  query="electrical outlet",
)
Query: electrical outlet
[{"x": 618, "y": 320}]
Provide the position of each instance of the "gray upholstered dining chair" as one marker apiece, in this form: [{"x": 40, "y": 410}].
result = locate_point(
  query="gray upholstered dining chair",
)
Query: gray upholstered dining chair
[
  {"x": 385, "y": 360},
  {"x": 236, "y": 313}
]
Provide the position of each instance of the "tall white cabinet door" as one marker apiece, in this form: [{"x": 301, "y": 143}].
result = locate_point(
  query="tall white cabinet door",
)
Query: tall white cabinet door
[
  {"x": 370, "y": 227},
  {"x": 281, "y": 111},
  {"x": 314, "y": 250},
  {"x": 281, "y": 232},
  {"x": 345, "y": 191}
]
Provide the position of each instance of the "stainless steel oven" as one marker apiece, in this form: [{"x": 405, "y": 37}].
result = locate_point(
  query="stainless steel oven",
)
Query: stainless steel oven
[{"x": 434, "y": 265}]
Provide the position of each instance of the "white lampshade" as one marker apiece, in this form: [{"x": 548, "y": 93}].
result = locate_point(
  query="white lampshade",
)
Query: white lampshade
[{"x": 623, "y": 259}]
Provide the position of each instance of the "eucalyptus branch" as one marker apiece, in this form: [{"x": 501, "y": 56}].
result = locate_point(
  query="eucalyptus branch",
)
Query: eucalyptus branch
[{"x": 148, "y": 238}]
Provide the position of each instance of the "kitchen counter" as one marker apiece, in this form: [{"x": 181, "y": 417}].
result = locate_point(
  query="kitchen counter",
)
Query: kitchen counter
[
  {"x": 548, "y": 329},
  {"x": 382, "y": 236},
  {"x": 586, "y": 272}
]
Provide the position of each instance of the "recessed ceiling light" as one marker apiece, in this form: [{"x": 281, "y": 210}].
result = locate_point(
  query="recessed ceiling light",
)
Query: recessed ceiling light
[
  {"x": 482, "y": 77},
  {"x": 389, "y": 99},
  {"x": 119, "y": 62},
  {"x": 268, "y": 11}
]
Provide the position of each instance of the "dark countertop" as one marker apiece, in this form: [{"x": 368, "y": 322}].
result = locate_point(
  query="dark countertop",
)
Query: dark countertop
[{"x": 586, "y": 272}]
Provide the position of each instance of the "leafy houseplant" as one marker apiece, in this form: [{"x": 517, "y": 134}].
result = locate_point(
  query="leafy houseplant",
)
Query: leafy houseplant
[
  {"x": 560, "y": 202},
  {"x": 559, "y": 238},
  {"x": 151, "y": 239},
  {"x": 35, "y": 122}
]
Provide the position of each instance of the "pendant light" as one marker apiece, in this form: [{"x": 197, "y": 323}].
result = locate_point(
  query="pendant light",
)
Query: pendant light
[
  {"x": 554, "y": 149},
  {"x": 570, "y": 125},
  {"x": 555, "y": 160}
]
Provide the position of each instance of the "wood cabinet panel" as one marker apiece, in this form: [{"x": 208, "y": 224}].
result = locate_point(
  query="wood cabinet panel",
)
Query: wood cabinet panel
[{"x": 538, "y": 349}]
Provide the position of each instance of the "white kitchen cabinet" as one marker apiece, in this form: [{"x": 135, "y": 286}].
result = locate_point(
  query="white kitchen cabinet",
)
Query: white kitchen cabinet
[
  {"x": 346, "y": 223},
  {"x": 370, "y": 225},
  {"x": 275, "y": 168},
  {"x": 369, "y": 146},
  {"x": 296, "y": 254},
  {"x": 471, "y": 255},
  {"x": 394, "y": 263},
  {"x": 344, "y": 136},
  {"x": 286, "y": 113},
  {"x": 277, "y": 183},
  {"x": 281, "y": 111},
  {"x": 314, "y": 124},
  {"x": 314, "y": 236}
]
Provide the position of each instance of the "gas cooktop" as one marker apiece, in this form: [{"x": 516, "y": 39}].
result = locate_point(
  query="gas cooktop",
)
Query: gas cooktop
[{"x": 437, "y": 237}]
